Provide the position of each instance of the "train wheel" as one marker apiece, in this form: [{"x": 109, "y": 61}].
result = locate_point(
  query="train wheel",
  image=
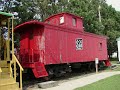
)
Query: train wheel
[{"x": 91, "y": 67}]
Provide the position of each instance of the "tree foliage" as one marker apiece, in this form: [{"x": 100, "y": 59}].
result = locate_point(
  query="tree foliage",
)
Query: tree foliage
[
  {"x": 41, "y": 9},
  {"x": 110, "y": 19}
]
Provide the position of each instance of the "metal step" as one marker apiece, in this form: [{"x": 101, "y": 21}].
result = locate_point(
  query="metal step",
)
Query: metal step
[
  {"x": 3, "y": 63},
  {"x": 39, "y": 70},
  {"x": 5, "y": 69},
  {"x": 4, "y": 75},
  {"x": 8, "y": 84}
]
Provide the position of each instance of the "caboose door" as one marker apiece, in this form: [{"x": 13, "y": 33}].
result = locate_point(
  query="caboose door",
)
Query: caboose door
[{"x": 31, "y": 44}]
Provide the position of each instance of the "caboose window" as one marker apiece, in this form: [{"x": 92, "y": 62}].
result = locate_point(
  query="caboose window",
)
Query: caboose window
[
  {"x": 100, "y": 46},
  {"x": 74, "y": 21},
  {"x": 79, "y": 44},
  {"x": 61, "y": 20}
]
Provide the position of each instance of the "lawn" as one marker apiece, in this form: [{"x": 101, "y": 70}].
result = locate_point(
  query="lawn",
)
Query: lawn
[
  {"x": 114, "y": 61},
  {"x": 110, "y": 83}
]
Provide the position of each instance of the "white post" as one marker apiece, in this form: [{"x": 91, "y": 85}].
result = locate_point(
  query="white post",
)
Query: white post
[
  {"x": 96, "y": 64},
  {"x": 118, "y": 43}
]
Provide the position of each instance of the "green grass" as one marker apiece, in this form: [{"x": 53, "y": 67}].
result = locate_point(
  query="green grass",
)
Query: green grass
[
  {"x": 113, "y": 59},
  {"x": 110, "y": 83}
]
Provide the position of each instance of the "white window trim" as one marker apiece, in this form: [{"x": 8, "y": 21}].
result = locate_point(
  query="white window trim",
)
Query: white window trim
[
  {"x": 62, "y": 19},
  {"x": 82, "y": 44}
]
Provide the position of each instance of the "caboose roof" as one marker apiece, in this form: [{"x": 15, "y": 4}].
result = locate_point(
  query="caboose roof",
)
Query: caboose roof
[
  {"x": 34, "y": 23},
  {"x": 4, "y": 15},
  {"x": 63, "y": 13}
]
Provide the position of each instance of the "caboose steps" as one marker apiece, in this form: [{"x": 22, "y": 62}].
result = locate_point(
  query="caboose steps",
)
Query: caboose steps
[
  {"x": 4, "y": 75},
  {"x": 8, "y": 60},
  {"x": 5, "y": 69},
  {"x": 3, "y": 63},
  {"x": 8, "y": 84},
  {"x": 39, "y": 70},
  {"x": 7, "y": 80}
]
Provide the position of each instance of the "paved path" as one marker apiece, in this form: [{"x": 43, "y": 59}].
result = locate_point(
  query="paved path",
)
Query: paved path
[{"x": 72, "y": 84}]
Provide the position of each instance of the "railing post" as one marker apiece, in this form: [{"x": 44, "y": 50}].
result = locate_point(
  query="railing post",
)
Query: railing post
[
  {"x": 5, "y": 50},
  {"x": 14, "y": 69},
  {"x": 20, "y": 79},
  {"x": 10, "y": 70},
  {"x": 0, "y": 72},
  {"x": 21, "y": 69},
  {"x": 8, "y": 41}
]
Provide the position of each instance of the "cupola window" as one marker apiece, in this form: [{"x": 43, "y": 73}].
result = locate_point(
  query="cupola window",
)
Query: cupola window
[
  {"x": 74, "y": 21},
  {"x": 61, "y": 19}
]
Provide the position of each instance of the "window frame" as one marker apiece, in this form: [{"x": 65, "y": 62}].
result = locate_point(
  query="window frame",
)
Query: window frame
[
  {"x": 76, "y": 44},
  {"x": 61, "y": 22},
  {"x": 100, "y": 46},
  {"x": 74, "y": 21}
]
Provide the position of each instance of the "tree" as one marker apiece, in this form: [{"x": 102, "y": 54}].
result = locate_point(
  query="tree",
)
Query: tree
[
  {"x": 21, "y": 9},
  {"x": 25, "y": 11},
  {"x": 41, "y": 9},
  {"x": 110, "y": 21},
  {"x": 46, "y": 8}
]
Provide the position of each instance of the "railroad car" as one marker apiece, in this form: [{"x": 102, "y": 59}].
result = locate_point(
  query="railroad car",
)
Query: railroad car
[{"x": 58, "y": 44}]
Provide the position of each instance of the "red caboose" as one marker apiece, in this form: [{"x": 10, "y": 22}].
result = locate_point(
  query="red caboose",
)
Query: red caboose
[{"x": 52, "y": 46}]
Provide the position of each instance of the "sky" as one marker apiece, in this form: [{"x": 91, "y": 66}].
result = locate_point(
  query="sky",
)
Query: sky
[{"x": 114, "y": 3}]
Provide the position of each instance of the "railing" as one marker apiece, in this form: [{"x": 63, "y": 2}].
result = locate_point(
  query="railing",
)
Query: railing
[
  {"x": 31, "y": 55},
  {"x": 0, "y": 70},
  {"x": 14, "y": 61}
]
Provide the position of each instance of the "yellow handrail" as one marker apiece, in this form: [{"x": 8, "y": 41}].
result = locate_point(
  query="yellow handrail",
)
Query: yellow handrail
[
  {"x": 21, "y": 69},
  {"x": 0, "y": 70},
  {"x": 17, "y": 62}
]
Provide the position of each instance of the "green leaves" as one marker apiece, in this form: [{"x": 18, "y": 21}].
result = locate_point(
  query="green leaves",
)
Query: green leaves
[
  {"x": 41, "y": 9},
  {"x": 110, "y": 19}
]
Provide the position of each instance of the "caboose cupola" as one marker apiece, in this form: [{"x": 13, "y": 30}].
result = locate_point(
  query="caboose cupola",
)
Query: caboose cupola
[{"x": 66, "y": 20}]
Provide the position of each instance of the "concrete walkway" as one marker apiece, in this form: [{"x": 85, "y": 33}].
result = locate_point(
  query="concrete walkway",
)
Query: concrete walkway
[
  {"x": 70, "y": 85},
  {"x": 75, "y": 83}
]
